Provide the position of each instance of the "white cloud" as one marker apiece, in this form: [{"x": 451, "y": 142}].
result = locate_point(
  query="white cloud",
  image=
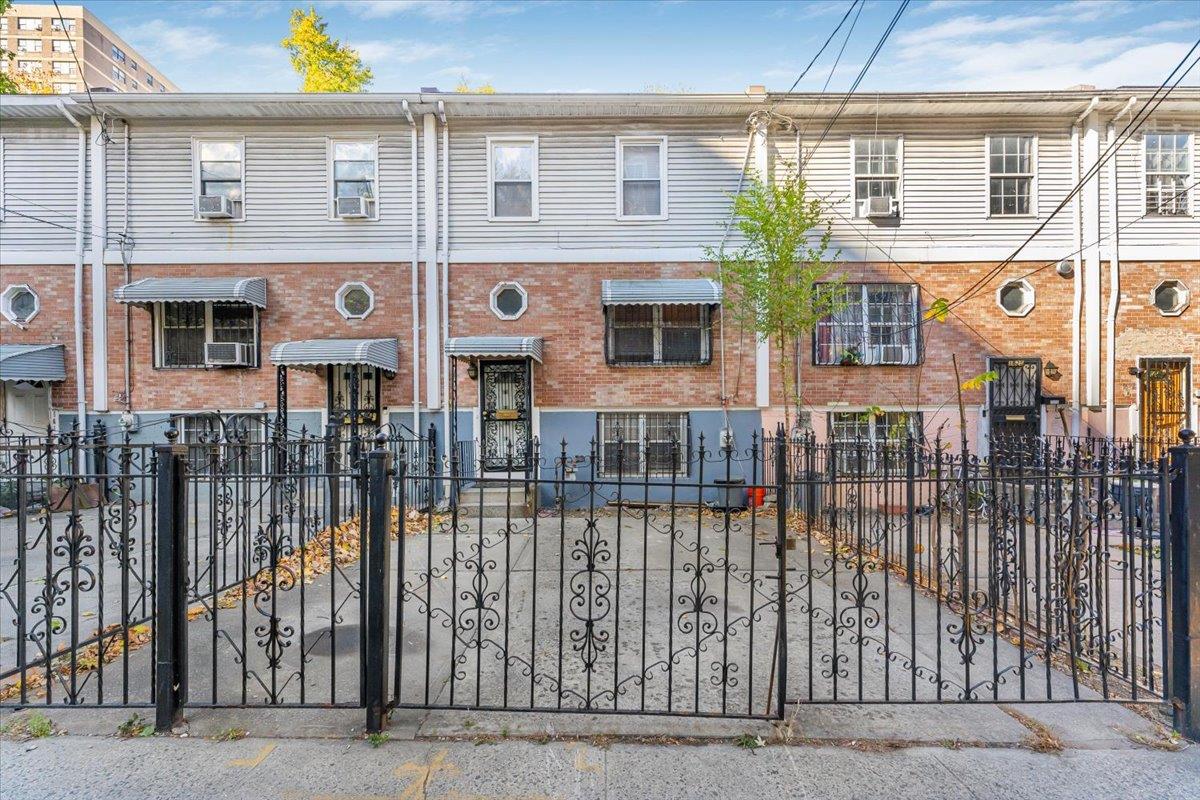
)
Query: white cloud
[
  {"x": 438, "y": 10},
  {"x": 158, "y": 39},
  {"x": 400, "y": 51},
  {"x": 248, "y": 9}
]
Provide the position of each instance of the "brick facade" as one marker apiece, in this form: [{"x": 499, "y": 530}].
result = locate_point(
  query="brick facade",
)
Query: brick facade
[{"x": 55, "y": 321}]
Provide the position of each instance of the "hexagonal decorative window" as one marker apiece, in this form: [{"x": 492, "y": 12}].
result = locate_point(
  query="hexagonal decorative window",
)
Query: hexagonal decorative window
[
  {"x": 19, "y": 304},
  {"x": 355, "y": 300},
  {"x": 509, "y": 300},
  {"x": 1015, "y": 298},
  {"x": 1170, "y": 298}
]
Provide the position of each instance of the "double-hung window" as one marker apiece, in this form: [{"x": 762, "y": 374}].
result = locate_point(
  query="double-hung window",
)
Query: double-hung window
[
  {"x": 874, "y": 443},
  {"x": 659, "y": 334},
  {"x": 641, "y": 177},
  {"x": 876, "y": 175},
  {"x": 876, "y": 324},
  {"x": 646, "y": 443},
  {"x": 118, "y": 54},
  {"x": 183, "y": 329},
  {"x": 1011, "y": 172},
  {"x": 1168, "y": 171},
  {"x": 29, "y": 23},
  {"x": 513, "y": 178},
  {"x": 118, "y": 75},
  {"x": 63, "y": 67},
  {"x": 353, "y": 170},
  {"x": 219, "y": 172},
  {"x": 61, "y": 46},
  {"x": 29, "y": 45},
  {"x": 57, "y": 25}
]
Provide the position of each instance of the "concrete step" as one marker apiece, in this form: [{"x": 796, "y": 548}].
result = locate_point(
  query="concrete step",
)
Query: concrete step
[{"x": 494, "y": 501}]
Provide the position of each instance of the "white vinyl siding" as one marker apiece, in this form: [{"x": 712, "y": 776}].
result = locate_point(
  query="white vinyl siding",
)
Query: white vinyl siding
[
  {"x": 1148, "y": 230},
  {"x": 641, "y": 177},
  {"x": 39, "y": 173}
]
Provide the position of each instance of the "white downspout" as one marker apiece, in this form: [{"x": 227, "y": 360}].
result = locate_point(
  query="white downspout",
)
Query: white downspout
[
  {"x": 762, "y": 350},
  {"x": 415, "y": 299},
  {"x": 445, "y": 285},
  {"x": 99, "y": 271},
  {"x": 1077, "y": 259},
  {"x": 433, "y": 349},
  {"x": 1114, "y": 281},
  {"x": 80, "y": 198}
]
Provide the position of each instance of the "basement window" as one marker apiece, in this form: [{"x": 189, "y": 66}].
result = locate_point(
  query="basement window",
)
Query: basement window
[
  {"x": 874, "y": 444},
  {"x": 643, "y": 444}
]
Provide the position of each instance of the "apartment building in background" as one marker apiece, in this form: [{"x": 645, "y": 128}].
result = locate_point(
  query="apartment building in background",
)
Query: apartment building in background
[
  {"x": 41, "y": 40},
  {"x": 512, "y": 268}
]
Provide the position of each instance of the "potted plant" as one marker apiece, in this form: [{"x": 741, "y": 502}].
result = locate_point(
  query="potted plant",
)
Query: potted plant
[{"x": 851, "y": 357}]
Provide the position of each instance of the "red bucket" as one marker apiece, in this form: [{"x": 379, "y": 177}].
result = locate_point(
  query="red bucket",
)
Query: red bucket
[{"x": 756, "y": 496}]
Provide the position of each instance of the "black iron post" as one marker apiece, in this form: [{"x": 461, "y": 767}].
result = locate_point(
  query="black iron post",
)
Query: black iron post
[
  {"x": 100, "y": 456},
  {"x": 333, "y": 474},
  {"x": 1184, "y": 602},
  {"x": 170, "y": 683},
  {"x": 781, "y": 504},
  {"x": 375, "y": 579}
]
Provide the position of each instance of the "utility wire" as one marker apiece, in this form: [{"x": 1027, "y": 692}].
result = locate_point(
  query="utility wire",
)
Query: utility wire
[
  {"x": 828, "y": 39},
  {"x": 104, "y": 137}
]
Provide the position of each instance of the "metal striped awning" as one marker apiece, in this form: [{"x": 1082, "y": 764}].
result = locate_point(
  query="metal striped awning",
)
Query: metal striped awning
[
  {"x": 194, "y": 290},
  {"x": 32, "y": 362},
  {"x": 683, "y": 291},
  {"x": 495, "y": 346},
  {"x": 312, "y": 353}
]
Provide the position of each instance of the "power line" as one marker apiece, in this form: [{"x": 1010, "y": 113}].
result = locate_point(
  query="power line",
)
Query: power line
[
  {"x": 828, "y": 39},
  {"x": 7, "y": 210},
  {"x": 104, "y": 137}
]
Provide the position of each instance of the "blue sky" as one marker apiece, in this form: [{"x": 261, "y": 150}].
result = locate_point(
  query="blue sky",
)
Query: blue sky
[{"x": 560, "y": 45}]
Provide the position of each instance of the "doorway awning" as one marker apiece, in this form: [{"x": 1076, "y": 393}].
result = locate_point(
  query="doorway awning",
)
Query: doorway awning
[
  {"x": 683, "y": 291},
  {"x": 32, "y": 362},
  {"x": 312, "y": 353},
  {"x": 495, "y": 347},
  {"x": 194, "y": 290}
]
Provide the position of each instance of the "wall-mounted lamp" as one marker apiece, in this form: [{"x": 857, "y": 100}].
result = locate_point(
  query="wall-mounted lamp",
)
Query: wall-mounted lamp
[
  {"x": 1051, "y": 371},
  {"x": 473, "y": 370}
]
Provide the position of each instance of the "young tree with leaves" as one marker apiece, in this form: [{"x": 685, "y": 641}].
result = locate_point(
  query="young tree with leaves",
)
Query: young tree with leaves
[
  {"x": 780, "y": 283},
  {"x": 325, "y": 63}
]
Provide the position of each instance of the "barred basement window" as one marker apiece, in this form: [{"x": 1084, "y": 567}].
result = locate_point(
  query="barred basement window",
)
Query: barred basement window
[
  {"x": 643, "y": 444},
  {"x": 659, "y": 334},
  {"x": 878, "y": 325},
  {"x": 183, "y": 328},
  {"x": 213, "y": 441},
  {"x": 1168, "y": 168},
  {"x": 874, "y": 444}
]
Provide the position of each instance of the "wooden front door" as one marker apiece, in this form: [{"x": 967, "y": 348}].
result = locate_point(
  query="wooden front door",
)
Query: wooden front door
[{"x": 1165, "y": 387}]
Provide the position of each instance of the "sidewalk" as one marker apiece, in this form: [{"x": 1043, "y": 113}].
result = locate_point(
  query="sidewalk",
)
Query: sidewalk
[{"x": 985, "y": 751}]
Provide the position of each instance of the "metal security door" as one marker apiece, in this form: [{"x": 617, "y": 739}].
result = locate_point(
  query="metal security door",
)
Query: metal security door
[
  {"x": 504, "y": 412},
  {"x": 1014, "y": 397},
  {"x": 1164, "y": 392}
]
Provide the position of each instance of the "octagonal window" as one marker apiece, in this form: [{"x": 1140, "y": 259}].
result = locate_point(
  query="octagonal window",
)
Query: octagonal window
[
  {"x": 1170, "y": 298},
  {"x": 19, "y": 304},
  {"x": 509, "y": 300},
  {"x": 355, "y": 300},
  {"x": 1015, "y": 298}
]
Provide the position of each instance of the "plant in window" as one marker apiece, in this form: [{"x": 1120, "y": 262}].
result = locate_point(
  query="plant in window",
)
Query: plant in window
[
  {"x": 779, "y": 284},
  {"x": 851, "y": 357}
]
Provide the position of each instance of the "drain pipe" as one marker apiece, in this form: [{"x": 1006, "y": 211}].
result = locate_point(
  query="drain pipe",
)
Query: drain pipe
[
  {"x": 126, "y": 257},
  {"x": 80, "y": 184},
  {"x": 415, "y": 303},
  {"x": 445, "y": 298},
  {"x": 1114, "y": 281},
  {"x": 1077, "y": 259}
]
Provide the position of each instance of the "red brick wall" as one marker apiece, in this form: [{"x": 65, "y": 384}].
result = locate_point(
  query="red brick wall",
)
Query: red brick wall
[
  {"x": 1142, "y": 331},
  {"x": 55, "y": 322},
  {"x": 564, "y": 309},
  {"x": 300, "y": 305}
]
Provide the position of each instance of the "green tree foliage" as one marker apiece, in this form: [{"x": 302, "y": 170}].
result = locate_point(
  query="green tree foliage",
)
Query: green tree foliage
[
  {"x": 325, "y": 64},
  {"x": 779, "y": 283},
  {"x": 464, "y": 87}
]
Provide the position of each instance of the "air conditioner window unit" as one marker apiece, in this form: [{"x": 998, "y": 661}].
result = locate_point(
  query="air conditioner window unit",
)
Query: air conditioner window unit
[
  {"x": 354, "y": 207},
  {"x": 228, "y": 354},
  {"x": 879, "y": 207},
  {"x": 215, "y": 206}
]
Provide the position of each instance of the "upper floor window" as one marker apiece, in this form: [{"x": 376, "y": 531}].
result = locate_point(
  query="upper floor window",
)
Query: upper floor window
[
  {"x": 1010, "y": 175},
  {"x": 149, "y": 80},
  {"x": 133, "y": 65},
  {"x": 61, "y": 45},
  {"x": 651, "y": 443},
  {"x": 57, "y": 25},
  {"x": 63, "y": 67},
  {"x": 513, "y": 178},
  {"x": 29, "y": 45},
  {"x": 658, "y": 334},
  {"x": 118, "y": 54},
  {"x": 64, "y": 88},
  {"x": 218, "y": 179},
  {"x": 876, "y": 176},
  {"x": 29, "y": 23},
  {"x": 28, "y": 66},
  {"x": 354, "y": 170},
  {"x": 641, "y": 177},
  {"x": 118, "y": 75},
  {"x": 183, "y": 329},
  {"x": 876, "y": 325},
  {"x": 1168, "y": 169}
]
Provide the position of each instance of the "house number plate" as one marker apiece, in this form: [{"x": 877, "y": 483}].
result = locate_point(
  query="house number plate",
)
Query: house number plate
[{"x": 506, "y": 414}]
